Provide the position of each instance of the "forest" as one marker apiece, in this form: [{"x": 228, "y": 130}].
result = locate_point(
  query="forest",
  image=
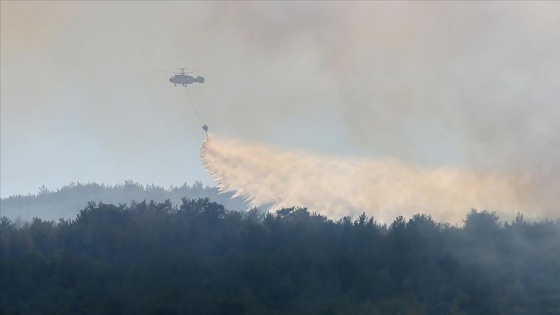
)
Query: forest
[
  {"x": 198, "y": 257},
  {"x": 67, "y": 201}
]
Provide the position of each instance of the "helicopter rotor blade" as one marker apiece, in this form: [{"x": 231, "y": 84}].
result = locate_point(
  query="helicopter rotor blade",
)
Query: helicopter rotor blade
[
  {"x": 187, "y": 69},
  {"x": 175, "y": 72},
  {"x": 182, "y": 70}
]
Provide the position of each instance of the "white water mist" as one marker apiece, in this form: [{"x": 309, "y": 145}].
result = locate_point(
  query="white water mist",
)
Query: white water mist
[{"x": 337, "y": 187}]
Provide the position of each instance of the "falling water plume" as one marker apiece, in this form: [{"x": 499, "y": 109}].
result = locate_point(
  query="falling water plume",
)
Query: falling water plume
[{"x": 337, "y": 187}]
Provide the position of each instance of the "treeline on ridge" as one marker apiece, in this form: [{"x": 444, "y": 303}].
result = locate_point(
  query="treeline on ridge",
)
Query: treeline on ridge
[
  {"x": 68, "y": 200},
  {"x": 199, "y": 258}
]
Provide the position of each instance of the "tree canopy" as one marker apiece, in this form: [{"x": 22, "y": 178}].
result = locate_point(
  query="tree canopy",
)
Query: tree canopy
[{"x": 199, "y": 258}]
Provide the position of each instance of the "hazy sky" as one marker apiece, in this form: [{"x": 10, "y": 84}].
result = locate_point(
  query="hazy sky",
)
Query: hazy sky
[{"x": 468, "y": 84}]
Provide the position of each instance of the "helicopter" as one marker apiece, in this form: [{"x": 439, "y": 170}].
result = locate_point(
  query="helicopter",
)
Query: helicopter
[{"x": 183, "y": 78}]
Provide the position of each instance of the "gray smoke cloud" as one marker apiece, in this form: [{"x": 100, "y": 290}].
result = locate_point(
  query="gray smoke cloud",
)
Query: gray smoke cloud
[
  {"x": 434, "y": 84},
  {"x": 464, "y": 86},
  {"x": 384, "y": 188},
  {"x": 480, "y": 80}
]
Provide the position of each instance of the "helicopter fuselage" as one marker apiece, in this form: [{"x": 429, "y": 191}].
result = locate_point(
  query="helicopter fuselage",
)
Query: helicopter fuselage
[{"x": 184, "y": 79}]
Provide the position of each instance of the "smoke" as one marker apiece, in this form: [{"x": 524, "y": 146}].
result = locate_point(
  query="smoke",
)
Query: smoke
[
  {"x": 336, "y": 186},
  {"x": 454, "y": 105},
  {"x": 469, "y": 85}
]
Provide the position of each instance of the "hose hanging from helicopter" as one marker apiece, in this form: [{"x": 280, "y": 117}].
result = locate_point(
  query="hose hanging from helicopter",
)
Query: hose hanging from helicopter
[
  {"x": 184, "y": 79},
  {"x": 192, "y": 103}
]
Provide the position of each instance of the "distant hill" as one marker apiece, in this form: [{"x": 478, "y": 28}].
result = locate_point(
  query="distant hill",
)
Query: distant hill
[{"x": 67, "y": 201}]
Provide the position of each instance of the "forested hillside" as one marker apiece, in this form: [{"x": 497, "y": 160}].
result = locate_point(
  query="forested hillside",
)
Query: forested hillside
[
  {"x": 67, "y": 201},
  {"x": 198, "y": 258}
]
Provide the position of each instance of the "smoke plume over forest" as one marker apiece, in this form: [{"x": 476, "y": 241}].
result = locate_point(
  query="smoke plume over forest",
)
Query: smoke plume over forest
[
  {"x": 371, "y": 127},
  {"x": 452, "y": 84}
]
